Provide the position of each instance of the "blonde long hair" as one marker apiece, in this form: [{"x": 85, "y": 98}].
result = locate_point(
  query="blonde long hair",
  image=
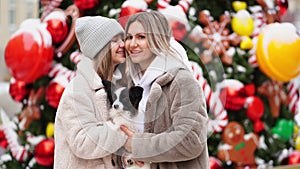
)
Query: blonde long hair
[
  {"x": 158, "y": 33},
  {"x": 103, "y": 63}
]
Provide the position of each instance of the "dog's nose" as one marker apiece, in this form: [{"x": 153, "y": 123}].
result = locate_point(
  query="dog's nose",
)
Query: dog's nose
[{"x": 116, "y": 106}]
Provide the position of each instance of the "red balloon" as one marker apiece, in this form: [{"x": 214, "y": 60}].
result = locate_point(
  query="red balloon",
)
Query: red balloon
[
  {"x": 44, "y": 152},
  {"x": 29, "y": 54},
  {"x": 53, "y": 94},
  {"x": 18, "y": 90},
  {"x": 86, "y": 4},
  {"x": 214, "y": 163}
]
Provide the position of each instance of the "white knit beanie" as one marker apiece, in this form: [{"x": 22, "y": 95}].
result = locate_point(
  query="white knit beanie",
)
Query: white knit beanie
[{"x": 94, "y": 32}]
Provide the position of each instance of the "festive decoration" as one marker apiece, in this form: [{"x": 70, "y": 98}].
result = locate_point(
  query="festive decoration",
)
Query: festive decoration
[
  {"x": 86, "y": 4},
  {"x": 54, "y": 92},
  {"x": 284, "y": 129},
  {"x": 50, "y": 130},
  {"x": 44, "y": 152},
  {"x": 57, "y": 26},
  {"x": 214, "y": 163},
  {"x": 130, "y": 7},
  {"x": 216, "y": 38},
  {"x": 294, "y": 158},
  {"x": 271, "y": 13},
  {"x": 294, "y": 94},
  {"x": 18, "y": 90},
  {"x": 3, "y": 140},
  {"x": 19, "y": 152},
  {"x": 242, "y": 23},
  {"x": 49, "y": 6},
  {"x": 259, "y": 23},
  {"x": 35, "y": 53},
  {"x": 219, "y": 117},
  {"x": 238, "y": 147},
  {"x": 239, "y": 5},
  {"x": 176, "y": 16},
  {"x": 32, "y": 110},
  {"x": 276, "y": 95},
  {"x": 270, "y": 48},
  {"x": 73, "y": 13},
  {"x": 246, "y": 43},
  {"x": 283, "y": 6}
]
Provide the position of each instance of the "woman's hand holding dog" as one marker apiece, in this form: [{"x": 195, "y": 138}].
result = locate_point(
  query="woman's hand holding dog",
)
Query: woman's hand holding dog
[{"x": 129, "y": 133}]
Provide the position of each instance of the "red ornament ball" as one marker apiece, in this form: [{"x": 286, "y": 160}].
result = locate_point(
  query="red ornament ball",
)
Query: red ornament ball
[
  {"x": 53, "y": 94},
  {"x": 179, "y": 29},
  {"x": 126, "y": 12},
  {"x": 44, "y": 152},
  {"x": 18, "y": 90},
  {"x": 294, "y": 158},
  {"x": 29, "y": 52},
  {"x": 214, "y": 163},
  {"x": 86, "y": 4},
  {"x": 57, "y": 26}
]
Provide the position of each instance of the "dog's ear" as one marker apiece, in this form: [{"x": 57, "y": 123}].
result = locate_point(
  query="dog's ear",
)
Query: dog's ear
[
  {"x": 135, "y": 95},
  {"x": 109, "y": 87}
]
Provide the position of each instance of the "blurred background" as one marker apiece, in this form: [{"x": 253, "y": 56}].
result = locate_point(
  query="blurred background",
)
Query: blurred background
[{"x": 263, "y": 99}]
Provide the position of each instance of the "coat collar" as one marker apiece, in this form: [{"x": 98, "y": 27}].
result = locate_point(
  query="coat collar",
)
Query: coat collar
[{"x": 86, "y": 68}]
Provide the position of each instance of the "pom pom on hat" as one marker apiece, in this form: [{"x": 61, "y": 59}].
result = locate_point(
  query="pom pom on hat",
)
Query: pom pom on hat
[{"x": 94, "y": 32}]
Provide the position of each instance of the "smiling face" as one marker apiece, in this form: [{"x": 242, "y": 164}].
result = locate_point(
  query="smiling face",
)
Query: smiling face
[
  {"x": 136, "y": 44},
  {"x": 117, "y": 50},
  {"x": 233, "y": 133}
]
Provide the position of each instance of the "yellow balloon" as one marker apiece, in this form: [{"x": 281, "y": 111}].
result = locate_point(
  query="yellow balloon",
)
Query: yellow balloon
[
  {"x": 50, "y": 130},
  {"x": 278, "y": 49},
  {"x": 242, "y": 23},
  {"x": 239, "y": 5}
]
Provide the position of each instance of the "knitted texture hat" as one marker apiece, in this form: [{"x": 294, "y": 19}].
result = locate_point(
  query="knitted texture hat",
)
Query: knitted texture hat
[{"x": 94, "y": 32}]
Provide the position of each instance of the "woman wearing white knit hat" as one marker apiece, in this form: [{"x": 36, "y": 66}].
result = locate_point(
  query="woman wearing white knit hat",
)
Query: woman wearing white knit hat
[{"x": 82, "y": 139}]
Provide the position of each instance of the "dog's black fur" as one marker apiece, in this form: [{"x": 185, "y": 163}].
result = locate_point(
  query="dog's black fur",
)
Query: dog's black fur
[
  {"x": 123, "y": 98},
  {"x": 124, "y": 105}
]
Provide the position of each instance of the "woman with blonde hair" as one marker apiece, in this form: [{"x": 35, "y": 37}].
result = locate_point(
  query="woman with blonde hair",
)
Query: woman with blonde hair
[{"x": 172, "y": 117}]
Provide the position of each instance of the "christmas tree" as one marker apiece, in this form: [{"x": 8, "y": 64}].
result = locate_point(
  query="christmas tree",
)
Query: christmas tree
[{"x": 243, "y": 56}]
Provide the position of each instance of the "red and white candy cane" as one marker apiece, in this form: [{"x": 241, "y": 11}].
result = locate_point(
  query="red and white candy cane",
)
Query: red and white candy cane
[
  {"x": 75, "y": 57},
  {"x": 19, "y": 152},
  {"x": 59, "y": 70},
  {"x": 220, "y": 120},
  {"x": 294, "y": 95},
  {"x": 49, "y": 6},
  {"x": 259, "y": 23},
  {"x": 184, "y": 4}
]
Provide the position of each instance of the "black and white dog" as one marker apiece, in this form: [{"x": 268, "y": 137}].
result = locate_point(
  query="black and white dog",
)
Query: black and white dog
[{"x": 124, "y": 107}]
